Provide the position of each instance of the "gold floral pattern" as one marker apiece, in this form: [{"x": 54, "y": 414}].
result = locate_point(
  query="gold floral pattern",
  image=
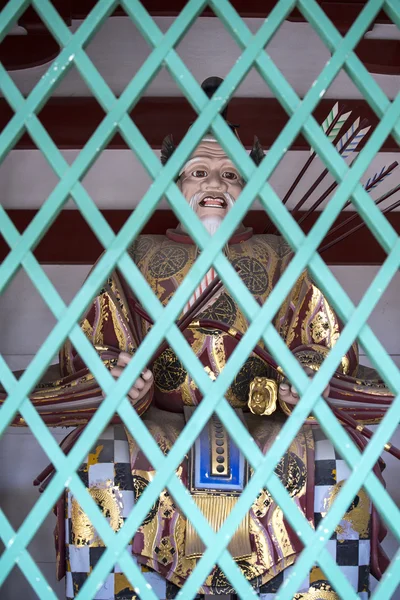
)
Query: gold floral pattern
[
  {"x": 109, "y": 500},
  {"x": 319, "y": 327},
  {"x": 358, "y": 514},
  {"x": 320, "y": 590}
]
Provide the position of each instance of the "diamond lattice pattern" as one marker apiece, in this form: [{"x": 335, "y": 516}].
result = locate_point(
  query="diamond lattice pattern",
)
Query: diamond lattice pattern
[{"x": 117, "y": 118}]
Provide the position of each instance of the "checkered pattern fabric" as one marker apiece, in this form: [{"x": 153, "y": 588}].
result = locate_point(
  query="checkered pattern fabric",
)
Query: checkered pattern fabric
[
  {"x": 350, "y": 545},
  {"x": 108, "y": 468}
]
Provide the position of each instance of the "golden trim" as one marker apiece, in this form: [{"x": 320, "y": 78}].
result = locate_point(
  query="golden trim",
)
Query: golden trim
[{"x": 374, "y": 392}]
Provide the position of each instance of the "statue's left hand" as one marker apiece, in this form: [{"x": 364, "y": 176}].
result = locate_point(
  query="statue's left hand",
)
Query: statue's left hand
[
  {"x": 289, "y": 394},
  {"x": 142, "y": 385}
]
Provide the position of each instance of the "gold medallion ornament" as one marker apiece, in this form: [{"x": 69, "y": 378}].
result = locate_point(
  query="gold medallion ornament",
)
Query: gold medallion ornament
[
  {"x": 168, "y": 261},
  {"x": 253, "y": 274},
  {"x": 140, "y": 248},
  {"x": 168, "y": 371},
  {"x": 262, "y": 396},
  {"x": 252, "y": 368}
]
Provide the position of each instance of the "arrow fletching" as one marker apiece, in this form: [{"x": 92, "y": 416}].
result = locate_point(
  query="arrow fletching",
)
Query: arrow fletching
[
  {"x": 328, "y": 122},
  {"x": 346, "y": 145},
  {"x": 336, "y": 129},
  {"x": 355, "y": 141},
  {"x": 376, "y": 179},
  {"x": 345, "y": 137},
  {"x": 329, "y": 119}
]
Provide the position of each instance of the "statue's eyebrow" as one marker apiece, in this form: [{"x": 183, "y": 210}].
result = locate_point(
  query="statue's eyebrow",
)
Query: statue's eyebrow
[
  {"x": 229, "y": 165},
  {"x": 189, "y": 163}
]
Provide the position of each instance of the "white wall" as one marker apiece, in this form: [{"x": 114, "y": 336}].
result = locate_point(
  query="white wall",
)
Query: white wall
[
  {"x": 117, "y": 180},
  {"x": 118, "y": 50},
  {"x": 25, "y": 322}
]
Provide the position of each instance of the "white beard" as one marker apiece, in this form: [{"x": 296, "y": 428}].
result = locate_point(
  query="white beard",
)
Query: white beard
[{"x": 211, "y": 223}]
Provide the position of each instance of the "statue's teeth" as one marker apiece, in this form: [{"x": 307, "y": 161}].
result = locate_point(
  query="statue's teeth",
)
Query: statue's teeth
[{"x": 213, "y": 202}]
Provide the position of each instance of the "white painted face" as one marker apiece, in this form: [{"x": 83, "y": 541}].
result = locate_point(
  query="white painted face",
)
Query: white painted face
[{"x": 210, "y": 182}]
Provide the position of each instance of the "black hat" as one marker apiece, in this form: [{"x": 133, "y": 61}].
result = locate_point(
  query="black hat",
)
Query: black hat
[{"x": 210, "y": 86}]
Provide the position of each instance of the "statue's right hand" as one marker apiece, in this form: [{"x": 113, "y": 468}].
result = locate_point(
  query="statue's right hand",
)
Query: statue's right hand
[
  {"x": 142, "y": 385},
  {"x": 289, "y": 394}
]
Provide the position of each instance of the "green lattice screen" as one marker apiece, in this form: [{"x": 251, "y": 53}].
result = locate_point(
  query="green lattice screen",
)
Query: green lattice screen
[{"x": 117, "y": 118}]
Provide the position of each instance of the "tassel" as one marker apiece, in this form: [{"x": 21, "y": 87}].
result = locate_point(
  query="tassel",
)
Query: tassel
[{"x": 216, "y": 510}]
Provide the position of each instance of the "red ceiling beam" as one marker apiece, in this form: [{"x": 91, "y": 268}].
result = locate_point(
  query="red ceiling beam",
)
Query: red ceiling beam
[
  {"x": 342, "y": 13},
  {"x": 38, "y": 46},
  {"x": 71, "y": 121},
  {"x": 71, "y": 241}
]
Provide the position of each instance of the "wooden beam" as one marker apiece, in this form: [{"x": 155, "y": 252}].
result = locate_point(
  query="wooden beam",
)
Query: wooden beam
[
  {"x": 71, "y": 241},
  {"x": 380, "y": 56},
  {"x": 71, "y": 121},
  {"x": 38, "y": 46},
  {"x": 342, "y": 13},
  {"x": 27, "y": 51}
]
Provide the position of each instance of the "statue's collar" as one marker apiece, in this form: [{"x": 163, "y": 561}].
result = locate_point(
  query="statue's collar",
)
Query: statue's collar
[{"x": 180, "y": 236}]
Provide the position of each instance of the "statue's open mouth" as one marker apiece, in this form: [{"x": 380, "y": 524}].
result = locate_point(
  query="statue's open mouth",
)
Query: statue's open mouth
[{"x": 213, "y": 202}]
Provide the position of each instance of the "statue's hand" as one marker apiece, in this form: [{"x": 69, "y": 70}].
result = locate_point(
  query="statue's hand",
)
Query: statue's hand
[
  {"x": 142, "y": 385},
  {"x": 290, "y": 395}
]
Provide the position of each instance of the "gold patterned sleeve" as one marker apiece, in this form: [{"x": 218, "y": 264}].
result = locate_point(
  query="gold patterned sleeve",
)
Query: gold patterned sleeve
[
  {"x": 308, "y": 324},
  {"x": 72, "y": 397},
  {"x": 107, "y": 324}
]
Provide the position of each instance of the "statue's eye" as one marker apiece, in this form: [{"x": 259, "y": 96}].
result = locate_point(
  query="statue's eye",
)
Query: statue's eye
[
  {"x": 199, "y": 173},
  {"x": 229, "y": 175}
]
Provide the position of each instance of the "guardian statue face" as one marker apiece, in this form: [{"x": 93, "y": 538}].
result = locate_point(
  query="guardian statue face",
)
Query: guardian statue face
[{"x": 210, "y": 183}]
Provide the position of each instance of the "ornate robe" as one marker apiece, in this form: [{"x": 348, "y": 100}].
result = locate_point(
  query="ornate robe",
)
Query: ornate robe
[
  {"x": 307, "y": 324},
  {"x": 305, "y": 319}
]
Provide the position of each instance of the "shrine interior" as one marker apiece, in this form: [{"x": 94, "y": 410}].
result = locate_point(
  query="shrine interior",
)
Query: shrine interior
[{"x": 117, "y": 181}]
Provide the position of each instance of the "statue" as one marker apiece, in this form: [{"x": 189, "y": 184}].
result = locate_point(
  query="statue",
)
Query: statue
[{"x": 117, "y": 472}]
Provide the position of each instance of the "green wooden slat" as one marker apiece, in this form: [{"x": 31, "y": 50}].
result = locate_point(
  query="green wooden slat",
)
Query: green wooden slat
[
  {"x": 10, "y": 14},
  {"x": 28, "y": 567},
  {"x": 392, "y": 10},
  {"x": 300, "y": 118},
  {"x": 354, "y": 67},
  {"x": 85, "y": 500},
  {"x": 390, "y": 580},
  {"x": 284, "y": 92},
  {"x": 143, "y": 515},
  {"x": 45, "y": 439},
  {"x": 47, "y": 83}
]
